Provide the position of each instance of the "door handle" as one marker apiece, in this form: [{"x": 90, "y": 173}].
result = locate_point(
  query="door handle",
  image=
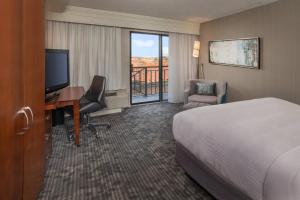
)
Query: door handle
[
  {"x": 24, "y": 129},
  {"x": 27, "y": 108}
]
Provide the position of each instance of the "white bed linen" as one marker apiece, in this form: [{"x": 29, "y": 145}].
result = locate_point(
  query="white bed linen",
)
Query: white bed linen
[{"x": 255, "y": 144}]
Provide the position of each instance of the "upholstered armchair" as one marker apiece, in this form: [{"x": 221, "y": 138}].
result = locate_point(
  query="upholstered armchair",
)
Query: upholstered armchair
[{"x": 190, "y": 95}]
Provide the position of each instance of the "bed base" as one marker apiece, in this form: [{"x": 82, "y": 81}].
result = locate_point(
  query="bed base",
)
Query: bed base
[{"x": 214, "y": 184}]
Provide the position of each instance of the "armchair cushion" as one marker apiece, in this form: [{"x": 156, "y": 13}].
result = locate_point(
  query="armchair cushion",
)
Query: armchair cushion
[
  {"x": 207, "y": 89},
  {"x": 203, "y": 99}
]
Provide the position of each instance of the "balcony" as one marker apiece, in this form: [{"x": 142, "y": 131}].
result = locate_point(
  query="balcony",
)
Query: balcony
[{"x": 145, "y": 84}]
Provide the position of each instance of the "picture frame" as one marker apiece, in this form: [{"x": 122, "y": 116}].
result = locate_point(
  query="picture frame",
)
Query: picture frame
[{"x": 244, "y": 52}]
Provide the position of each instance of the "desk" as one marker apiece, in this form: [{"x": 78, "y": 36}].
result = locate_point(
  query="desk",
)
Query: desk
[{"x": 69, "y": 96}]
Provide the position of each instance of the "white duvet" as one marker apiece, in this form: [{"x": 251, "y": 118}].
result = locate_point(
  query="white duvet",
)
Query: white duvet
[{"x": 254, "y": 145}]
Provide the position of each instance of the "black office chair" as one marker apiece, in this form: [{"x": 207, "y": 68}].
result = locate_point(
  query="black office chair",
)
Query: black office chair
[{"x": 93, "y": 101}]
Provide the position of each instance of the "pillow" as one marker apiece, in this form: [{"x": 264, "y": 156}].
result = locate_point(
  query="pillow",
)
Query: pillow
[{"x": 207, "y": 89}]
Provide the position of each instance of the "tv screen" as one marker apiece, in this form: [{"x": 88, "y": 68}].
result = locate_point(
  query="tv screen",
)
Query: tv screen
[{"x": 57, "y": 70}]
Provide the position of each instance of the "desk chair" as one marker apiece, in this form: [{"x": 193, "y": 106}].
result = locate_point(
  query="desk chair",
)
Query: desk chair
[
  {"x": 94, "y": 101},
  {"x": 91, "y": 102}
]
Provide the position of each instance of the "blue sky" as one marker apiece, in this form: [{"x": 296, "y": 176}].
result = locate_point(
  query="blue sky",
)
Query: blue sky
[{"x": 144, "y": 45}]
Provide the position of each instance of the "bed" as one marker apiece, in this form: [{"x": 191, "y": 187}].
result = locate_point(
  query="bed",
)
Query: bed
[{"x": 242, "y": 150}]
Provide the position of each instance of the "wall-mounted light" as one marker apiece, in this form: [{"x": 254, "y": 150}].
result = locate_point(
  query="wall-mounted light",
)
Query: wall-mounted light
[
  {"x": 196, "y": 50},
  {"x": 196, "y": 54}
]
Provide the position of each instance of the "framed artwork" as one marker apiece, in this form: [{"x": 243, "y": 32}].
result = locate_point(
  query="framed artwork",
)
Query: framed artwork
[{"x": 238, "y": 53}]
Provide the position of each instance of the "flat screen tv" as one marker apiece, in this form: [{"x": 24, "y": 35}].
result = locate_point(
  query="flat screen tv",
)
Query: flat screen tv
[{"x": 57, "y": 70}]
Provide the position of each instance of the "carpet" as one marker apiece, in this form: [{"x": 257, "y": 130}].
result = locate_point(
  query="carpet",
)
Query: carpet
[{"x": 132, "y": 160}]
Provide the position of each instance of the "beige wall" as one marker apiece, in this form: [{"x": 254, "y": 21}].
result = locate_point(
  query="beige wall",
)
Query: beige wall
[{"x": 278, "y": 25}]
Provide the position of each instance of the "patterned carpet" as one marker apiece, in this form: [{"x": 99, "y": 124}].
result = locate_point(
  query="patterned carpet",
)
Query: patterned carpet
[{"x": 132, "y": 160}]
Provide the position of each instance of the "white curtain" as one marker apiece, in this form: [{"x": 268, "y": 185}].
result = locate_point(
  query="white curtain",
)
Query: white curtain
[
  {"x": 94, "y": 50},
  {"x": 182, "y": 65}
]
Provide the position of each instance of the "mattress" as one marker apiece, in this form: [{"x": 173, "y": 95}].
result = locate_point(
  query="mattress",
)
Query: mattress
[{"x": 253, "y": 145}]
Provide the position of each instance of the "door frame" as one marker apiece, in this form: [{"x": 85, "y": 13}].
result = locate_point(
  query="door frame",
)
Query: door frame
[{"x": 160, "y": 65}]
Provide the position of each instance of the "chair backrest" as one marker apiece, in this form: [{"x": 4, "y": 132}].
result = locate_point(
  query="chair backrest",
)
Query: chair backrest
[
  {"x": 221, "y": 86},
  {"x": 97, "y": 90}
]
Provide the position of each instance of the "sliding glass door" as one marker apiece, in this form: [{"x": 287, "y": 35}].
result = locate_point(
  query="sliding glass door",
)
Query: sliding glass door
[{"x": 149, "y": 67}]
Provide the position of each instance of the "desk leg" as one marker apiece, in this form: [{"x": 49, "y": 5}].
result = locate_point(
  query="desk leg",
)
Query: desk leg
[{"x": 76, "y": 114}]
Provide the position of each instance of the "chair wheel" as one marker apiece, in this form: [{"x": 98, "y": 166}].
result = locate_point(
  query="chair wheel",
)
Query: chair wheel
[{"x": 109, "y": 126}]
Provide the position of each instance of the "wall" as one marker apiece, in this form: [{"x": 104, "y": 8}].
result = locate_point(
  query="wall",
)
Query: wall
[
  {"x": 278, "y": 25},
  {"x": 56, "y": 5}
]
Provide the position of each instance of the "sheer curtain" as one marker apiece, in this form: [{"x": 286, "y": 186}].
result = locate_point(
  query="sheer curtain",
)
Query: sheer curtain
[
  {"x": 183, "y": 66},
  {"x": 94, "y": 50}
]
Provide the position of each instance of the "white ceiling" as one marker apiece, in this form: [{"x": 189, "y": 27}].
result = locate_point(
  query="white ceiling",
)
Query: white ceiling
[{"x": 185, "y": 10}]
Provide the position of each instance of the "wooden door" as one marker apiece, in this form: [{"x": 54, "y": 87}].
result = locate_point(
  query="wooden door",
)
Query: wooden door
[
  {"x": 33, "y": 38},
  {"x": 11, "y": 101},
  {"x": 21, "y": 98}
]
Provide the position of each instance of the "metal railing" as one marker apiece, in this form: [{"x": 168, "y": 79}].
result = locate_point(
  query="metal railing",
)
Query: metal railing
[{"x": 145, "y": 80}]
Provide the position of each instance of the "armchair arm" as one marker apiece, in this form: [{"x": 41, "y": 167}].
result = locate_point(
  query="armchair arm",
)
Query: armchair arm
[
  {"x": 186, "y": 95},
  {"x": 222, "y": 94},
  {"x": 222, "y": 98}
]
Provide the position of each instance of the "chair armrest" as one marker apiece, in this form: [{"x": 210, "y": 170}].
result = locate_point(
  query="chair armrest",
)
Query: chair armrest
[
  {"x": 221, "y": 98},
  {"x": 222, "y": 94},
  {"x": 186, "y": 95}
]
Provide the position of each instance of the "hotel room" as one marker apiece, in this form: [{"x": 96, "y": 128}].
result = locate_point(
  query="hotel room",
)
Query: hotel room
[{"x": 128, "y": 99}]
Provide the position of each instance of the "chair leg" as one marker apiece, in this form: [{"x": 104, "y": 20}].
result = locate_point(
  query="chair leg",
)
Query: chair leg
[
  {"x": 107, "y": 125},
  {"x": 92, "y": 126},
  {"x": 93, "y": 129}
]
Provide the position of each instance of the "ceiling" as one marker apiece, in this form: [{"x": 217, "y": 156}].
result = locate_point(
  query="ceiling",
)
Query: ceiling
[{"x": 185, "y": 10}]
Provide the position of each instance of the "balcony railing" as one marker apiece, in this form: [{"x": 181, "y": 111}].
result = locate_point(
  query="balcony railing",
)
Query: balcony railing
[{"x": 145, "y": 80}]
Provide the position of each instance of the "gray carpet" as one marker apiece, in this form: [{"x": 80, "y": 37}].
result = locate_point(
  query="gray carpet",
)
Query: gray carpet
[{"x": 132, "y": 160}]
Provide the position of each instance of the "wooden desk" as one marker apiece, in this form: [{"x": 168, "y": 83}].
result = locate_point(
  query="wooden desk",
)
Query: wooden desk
[{"x": 69, "y": 96}]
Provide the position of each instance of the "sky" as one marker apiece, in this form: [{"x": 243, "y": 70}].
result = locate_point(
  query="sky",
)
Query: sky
[{"x": 146, "y": 45}]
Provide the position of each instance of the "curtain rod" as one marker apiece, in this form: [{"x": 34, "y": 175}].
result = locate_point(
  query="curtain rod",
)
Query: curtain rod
[{"x": 132, "y": 29}]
